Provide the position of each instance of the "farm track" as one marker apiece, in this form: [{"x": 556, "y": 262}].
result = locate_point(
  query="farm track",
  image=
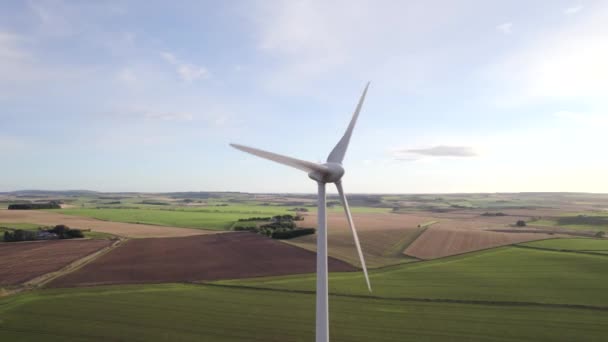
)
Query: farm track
[
  {"x": 44, "y": 279},
  {"x": 21, "y": 262},
  {"x": 422, "y": 300}
]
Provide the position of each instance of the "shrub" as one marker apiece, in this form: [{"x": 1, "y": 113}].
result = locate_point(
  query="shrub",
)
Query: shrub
[
  {"x": 64, "y": 232},
  {"x": 19, "y": 235},
  {"x": 248, "y": 228},
  {"x": 74, "y": 233},
  {"x": 292, "y": 233},
  {"x": 600, "y": 234},
  {"x": 255, "y": 219},
  {"x": 276, "y": 225},
  {"x": 520, "y": 223},
  {"x": 493, "y": 214}
]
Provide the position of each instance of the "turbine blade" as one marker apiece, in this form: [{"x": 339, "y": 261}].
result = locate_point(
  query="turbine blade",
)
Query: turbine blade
[
  {"x": 354, "y": 231},
  {"x": 337, "y": 154},
  {"x": 293, "y": 162}
]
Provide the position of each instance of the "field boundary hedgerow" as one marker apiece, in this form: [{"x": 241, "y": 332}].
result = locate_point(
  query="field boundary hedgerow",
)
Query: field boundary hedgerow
[
  {"x": 561, "y": 250},
  {"x": 414, "y": 299}
]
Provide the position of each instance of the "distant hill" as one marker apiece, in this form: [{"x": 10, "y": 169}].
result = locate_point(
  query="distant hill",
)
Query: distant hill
[{"x": 47, "y": 193}]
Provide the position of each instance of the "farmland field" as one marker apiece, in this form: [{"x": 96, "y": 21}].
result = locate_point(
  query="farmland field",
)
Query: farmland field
[
  {"x": 381, "y": 247},
  {"x": 22, "y": 261},
  {"x": 505, "y": 274},
  {"x": 383, "y": 236},
  {"x": 438, "y": 242},
  {"x": 195, "y": 313},
  {"x": 589, "y": 222},
  {"x": 591, "y": 245},
  {"x": 206, "y": 257},
  {"x": 31, "y": 217},
  {"x": 214, "y": 220}
]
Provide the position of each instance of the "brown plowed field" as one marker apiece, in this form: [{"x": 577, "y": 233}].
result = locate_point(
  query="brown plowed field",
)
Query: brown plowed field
[
  {"x": 437, "y": 242},
  {"x": 367, "y": 221},
  {"x": 209, "y": 257},
  {"x": 117, "y": 228},
  {"x": 381, "y": 247},
  {"x": 383, "y": 236},
  {"x": 512, "y": 214},
  {"x": 23, "y": 261}
]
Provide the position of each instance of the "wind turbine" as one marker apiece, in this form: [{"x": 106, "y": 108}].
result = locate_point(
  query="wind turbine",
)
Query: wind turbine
[{"x": 329, "y": 172}]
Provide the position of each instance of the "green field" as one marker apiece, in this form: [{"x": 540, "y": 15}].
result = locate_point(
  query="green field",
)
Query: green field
[
  {"x": 214, "y": 217},
  {"x": 18, "y": 225},
  {"x": 588, "y": 222},
  {"x": 206, "y": 313},
  {"x": 508, "y": 274},
  {"x": 340, "y": 209},
  {"x": 599, "y": 245},
  {"x": 217, "y": 218}
]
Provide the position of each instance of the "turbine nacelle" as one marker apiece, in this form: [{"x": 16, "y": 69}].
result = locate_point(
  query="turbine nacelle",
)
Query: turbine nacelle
[{"x": 333, "y": 174}]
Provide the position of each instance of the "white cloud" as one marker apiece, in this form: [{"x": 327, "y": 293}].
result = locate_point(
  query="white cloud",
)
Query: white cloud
[
  {"x": 573, "y": 10},
  {"x": 190, "y": 72},
  {"x": 168, "y": 116},
  {"x": 186, "y": 71},
  {"x": 413, "y": 154},
  {"x": 505, "y": 28},
  {"x": 154, "y": 113},
  {"x": 589, "y": 119},
  {"x": 11, "y": 144},
  {"x": 310, "y": 41},
  {"x": 566, "y": 63},
  {"x": 127, "y": 75},
  {"x": 54, "y": 17},
  {"x": 9, "y": 49},
  {"x": 169, "y": 57},
  {"x": 17, "y": 64}
]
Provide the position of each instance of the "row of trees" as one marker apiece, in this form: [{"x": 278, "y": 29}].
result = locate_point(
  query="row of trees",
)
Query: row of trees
[
  {"x": 32, "y": 206},
  {"x": 279, "y": 227},
  {"x": 58, "y": 232}
]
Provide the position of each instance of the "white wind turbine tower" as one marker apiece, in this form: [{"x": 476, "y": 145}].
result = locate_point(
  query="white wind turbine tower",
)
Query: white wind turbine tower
[{"x": 329, "y": 172}]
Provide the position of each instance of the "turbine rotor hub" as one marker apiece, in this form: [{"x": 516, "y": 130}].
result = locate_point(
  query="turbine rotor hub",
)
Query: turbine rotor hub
[{"x": 332, "y": 175}]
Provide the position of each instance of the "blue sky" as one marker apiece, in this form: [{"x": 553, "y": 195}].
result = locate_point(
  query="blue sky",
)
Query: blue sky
[{"x": 466, "y": 96}]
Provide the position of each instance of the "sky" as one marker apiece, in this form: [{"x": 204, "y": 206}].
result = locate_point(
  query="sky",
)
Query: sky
[{"x": 465, "y": 96}]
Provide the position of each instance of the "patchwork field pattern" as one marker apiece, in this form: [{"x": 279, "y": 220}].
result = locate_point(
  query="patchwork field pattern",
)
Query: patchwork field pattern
[
  {"x": 23, "y": 261},
  {"x": 209, "y": 257}
]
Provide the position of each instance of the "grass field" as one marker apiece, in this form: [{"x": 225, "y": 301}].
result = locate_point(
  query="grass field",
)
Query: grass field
[
  {"x": 599, "y": 245},
  {"x": 591, "y": 222},
  {"x": 17, "y": 225},
  {"x": 205, "y": 219},
  {"x": 507, "y": 274},
  {"x": 205, "y": 313},
  {"x": 215, "y": 217}
]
